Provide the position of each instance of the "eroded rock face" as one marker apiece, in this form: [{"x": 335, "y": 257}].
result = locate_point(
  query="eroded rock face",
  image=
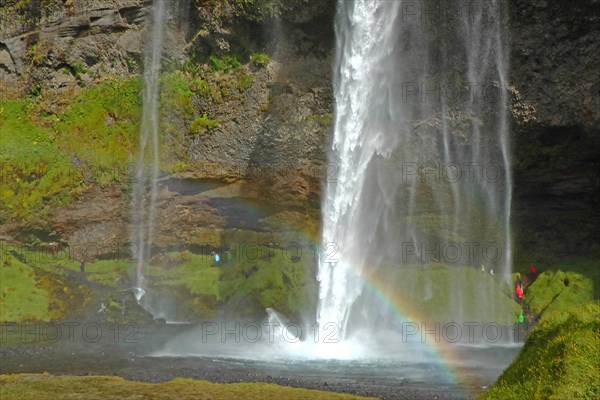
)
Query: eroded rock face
[
  {"x": 270, "y": 140},
  {"x": 95, "y": 35},
  {"x": 277, "y": 131}
]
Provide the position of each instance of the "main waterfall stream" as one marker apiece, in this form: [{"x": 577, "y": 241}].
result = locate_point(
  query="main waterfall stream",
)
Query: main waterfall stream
[
  {"x": 421, "y": 151},
  {"x": 415, "y": 255}
]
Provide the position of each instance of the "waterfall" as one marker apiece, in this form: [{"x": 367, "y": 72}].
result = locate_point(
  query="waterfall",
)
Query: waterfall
[
  {"x": 147, "y": 171},
  {"x": 421, "y": 149}
]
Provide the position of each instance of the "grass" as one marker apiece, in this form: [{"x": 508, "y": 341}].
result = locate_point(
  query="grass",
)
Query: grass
[
  {"x": 257, "y": 277},
  {"x": 202, "y": 124},
  {"x": 561, "y": 356},
  {"x": 101, "y": 125},
  {"x": 262, "y": 277},
  {"x": 20, "y": 298},
  {"x": 225, "y": 63},
  {"x": 41, "y": 286},
  {"x": 560, "y": 359},
  {"x": 54, "y": 146},
  {"x": 49, "y": 156},
  {"x": 195, "y": 272},
  {"x": 583, "y": 279},
  {"x": 108, "y": 272},
  {"x": 433, "y": 290},
  {"x": 104, "y": 387},
  {"x": 176, "y": 95},
  {"x": 35, "y": 174},
  {"x": 260, "y": 59},
  {"x": 550, "y": 291}
]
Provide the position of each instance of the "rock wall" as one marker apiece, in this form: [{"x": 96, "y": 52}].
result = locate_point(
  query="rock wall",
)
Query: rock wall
[
  {"x": 269, "y": 142},
  {"x": 555, "y": 54},
  {"x": 280, "y": 126}
]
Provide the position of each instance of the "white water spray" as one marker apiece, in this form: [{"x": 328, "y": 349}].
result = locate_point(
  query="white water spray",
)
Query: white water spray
[{"x": 400, "y": 112}]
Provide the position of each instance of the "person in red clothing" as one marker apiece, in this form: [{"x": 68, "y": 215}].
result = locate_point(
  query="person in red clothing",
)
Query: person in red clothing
[
  {"x": 519, "y": 291},
  {"x": 532, "y": 269}
]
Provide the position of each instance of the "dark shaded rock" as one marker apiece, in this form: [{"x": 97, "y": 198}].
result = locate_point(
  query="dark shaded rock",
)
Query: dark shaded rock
[
  {"x": 555, "y": 54},
  {"x": 123, "y": 307}
]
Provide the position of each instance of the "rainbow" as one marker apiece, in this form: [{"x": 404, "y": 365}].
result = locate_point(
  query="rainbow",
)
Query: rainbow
[{"x": 404, "y": 311}]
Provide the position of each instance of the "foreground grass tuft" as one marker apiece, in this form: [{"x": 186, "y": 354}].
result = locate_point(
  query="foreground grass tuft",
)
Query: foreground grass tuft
[{"x": 35, "y": 386}]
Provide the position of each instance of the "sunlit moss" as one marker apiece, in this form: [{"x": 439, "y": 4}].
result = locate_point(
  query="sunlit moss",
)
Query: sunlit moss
[{"x": 560, "y": 359}]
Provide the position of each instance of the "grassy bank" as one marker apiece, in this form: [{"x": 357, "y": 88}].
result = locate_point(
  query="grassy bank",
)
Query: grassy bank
[
  {"x": 103, "y": 387},
  {"x": 247, "y": 281},
  {"x": 560, "y": 359},
  {"x": 38, "y": 285},
  {"x": 561, "y": 356}
]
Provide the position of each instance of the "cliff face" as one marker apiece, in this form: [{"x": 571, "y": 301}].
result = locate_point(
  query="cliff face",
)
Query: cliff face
[
  {"x": 554, "y": 68},
  {"x": 275, "y": 130},
  {"x": 257, "y": 121}
]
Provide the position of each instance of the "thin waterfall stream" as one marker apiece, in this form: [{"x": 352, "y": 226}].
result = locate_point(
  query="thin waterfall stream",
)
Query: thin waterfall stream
[{"x": 147, "y": 166}]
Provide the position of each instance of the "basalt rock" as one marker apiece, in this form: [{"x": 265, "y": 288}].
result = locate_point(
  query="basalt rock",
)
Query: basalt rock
[{"x": 271, "y": 141}]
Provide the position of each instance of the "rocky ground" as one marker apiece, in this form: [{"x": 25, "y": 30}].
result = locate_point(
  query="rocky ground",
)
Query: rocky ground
[{"x": 127, "y": 360}]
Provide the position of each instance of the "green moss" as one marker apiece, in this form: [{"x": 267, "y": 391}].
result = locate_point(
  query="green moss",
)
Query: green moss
[
  {"x": 324, "y": 120},
  {"x": 245, "y": 81},
  {"x": 201, "y": 124},
  {"x": 101, "y": 126},
  {"x": 433, "y": 289},
  {"x": 262, "y": 277},
  {"x": 20, "y": 298},
  {"x": 201, "y": 87},
  {"x": 225, "y": 63},
  {"x": 560, "y": 359},
  {"x": 561, "y": 356},
  {"x": 559, "y": 291},
  {"x": 566, "y": 284},
  {"x": 35, "y": 173},
  {"x": 176, "y": 95},
  {"x": 254, "y": 278},
  {"x": 104, "y": 387},
  {"x": 260, "y": 59},
  {"x": 78, "y": 70},
  {"x": 108, "y": 272},
  {"x": 195, "y": 272},
  {"x": 191, "y": 68}
]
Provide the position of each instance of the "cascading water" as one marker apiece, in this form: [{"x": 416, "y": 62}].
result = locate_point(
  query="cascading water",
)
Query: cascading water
[
  {"x": 421, "y": 146},
  {"x": 144, "y": 209}
]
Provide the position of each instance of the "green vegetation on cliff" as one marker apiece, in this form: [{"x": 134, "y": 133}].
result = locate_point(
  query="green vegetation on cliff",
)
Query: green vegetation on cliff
[
  {"x": 34, "y": 173},
  {"x": 58, "y": 144},
  {"x": 101, "y": 125},
  {"x": 39, "y": 285},
  {"x": 266, "y": 10},
  {"x": 42, "y": 285},
  {"x": 49, "y": 155}
]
